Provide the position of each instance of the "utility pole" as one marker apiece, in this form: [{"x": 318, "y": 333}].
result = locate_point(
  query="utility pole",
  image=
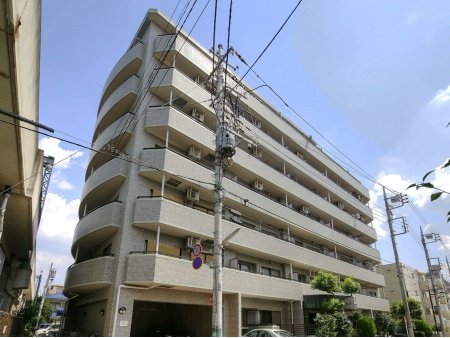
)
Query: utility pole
[
  {"x": 399, "y": 199},
  {"x": 39, "y": 278},
  {"x": 51, "y": 276},
  {"x": 225, "y": 144},
  {"x": 435, "y": 238}
]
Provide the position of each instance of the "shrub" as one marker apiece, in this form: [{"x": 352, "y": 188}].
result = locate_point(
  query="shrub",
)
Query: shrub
[
  {"x": 344, "y": 326},
  {"x": 419, "y": 334},
  {"x": 423, "y": 326},
  {"x": 385, "y": 324},
  {"x": 326, "y": 325},
  {"x": 365, "y": 327}
]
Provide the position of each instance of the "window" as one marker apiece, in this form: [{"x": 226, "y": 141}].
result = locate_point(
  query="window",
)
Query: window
[
  {"x": 246, "y": 266},
  {"x": 270, "y": 272}
]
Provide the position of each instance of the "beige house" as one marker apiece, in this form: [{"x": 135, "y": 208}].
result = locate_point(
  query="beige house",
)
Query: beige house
[
  {"x": 141, "y": 214},
  {"x": 21, "y": 178}
]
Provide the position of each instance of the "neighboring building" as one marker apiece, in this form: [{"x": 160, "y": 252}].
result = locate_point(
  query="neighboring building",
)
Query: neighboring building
[
  {"x": 57, "y": 300},
  {"x": 418, "y": 286},
  {"x": 298, "y": 211},
  {"x": 22, "y": 161}
]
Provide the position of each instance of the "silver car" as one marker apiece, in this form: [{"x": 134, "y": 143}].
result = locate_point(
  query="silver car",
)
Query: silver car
[{"x": 268, "y": 333}]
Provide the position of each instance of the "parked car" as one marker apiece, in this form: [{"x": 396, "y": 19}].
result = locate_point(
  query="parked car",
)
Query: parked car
[
  {"x": 50, "y": 331},
  {"x": 268, "y": 333}
]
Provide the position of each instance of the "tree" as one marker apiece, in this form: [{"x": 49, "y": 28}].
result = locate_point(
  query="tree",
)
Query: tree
[
  {"x": 325, "y": 281},
  {"x": 333, "y": 306},
  {"x": 326, "y": 325},
  {"x": 349, "y": 285},
  {"x": 385, "y": 324},
  {"x": 423, "y": 326},
  {"x": 398, "y": 310},
  {"x": 365, "y": 327},
  {"x": 344, "y": 326},
  {"x": 29, "y": 313}
]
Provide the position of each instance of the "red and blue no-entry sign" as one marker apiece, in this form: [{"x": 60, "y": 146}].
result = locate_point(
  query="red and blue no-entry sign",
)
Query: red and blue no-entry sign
[{"x": 197, "y": 263}]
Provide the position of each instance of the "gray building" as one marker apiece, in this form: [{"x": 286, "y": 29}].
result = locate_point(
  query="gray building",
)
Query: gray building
[{"x": 141, "y": 214}]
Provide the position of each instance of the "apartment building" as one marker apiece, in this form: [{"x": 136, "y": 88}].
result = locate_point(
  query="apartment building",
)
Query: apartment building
[
  {"x": 418, "y": 286},
  {"x": 21, "y": 178},
  {"x": 148, "y": 200}
]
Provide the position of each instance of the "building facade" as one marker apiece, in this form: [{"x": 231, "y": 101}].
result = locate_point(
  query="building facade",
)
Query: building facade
[
  {"x": 418, "y": 286},
  {"x": 21, "y": 178},
  {"x": 148, "y": 200}
]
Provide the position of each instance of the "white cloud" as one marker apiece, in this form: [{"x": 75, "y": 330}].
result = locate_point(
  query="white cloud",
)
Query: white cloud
[
  {"x": 59, "y": 217},
  {"x": 442, "y": 96},
  {"x": 61, "y": 182},
  {"x": 52, "y": 148}
]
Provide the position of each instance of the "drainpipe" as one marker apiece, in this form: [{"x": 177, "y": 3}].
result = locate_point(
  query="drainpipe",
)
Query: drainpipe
[
  {"x": 116, "y": 310},
  {"x": 6, "y": 196}
]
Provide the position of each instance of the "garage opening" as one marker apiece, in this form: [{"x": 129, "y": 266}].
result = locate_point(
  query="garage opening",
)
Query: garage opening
[{"x": 155, "y": 319}]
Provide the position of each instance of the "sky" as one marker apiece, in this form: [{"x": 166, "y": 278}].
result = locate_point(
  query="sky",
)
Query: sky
[{"x": 367, "y": 79}]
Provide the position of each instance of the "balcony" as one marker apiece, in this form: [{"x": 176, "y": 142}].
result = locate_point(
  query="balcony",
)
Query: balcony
[
  {"x": 187, "y": 91},
  {"x": 127, "y": 66},
  {"x": 171, "y": 162},
  {"x": 181, "y": 221},
  {"x": 99, "y": 224},
  {"x": 118, "y": 103},
  {"x": 116, "y": 134},
  {"x": 188, "y": 57},
  {"x": 102, "y": 184},
  {"x": 88, "y": 276},
  {"x": 184, "y": 130},
  {"x": 373, "y": 303}
]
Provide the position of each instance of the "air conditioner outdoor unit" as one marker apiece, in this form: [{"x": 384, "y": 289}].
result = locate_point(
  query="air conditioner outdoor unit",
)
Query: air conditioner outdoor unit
[
  {"x": 197, "y": 79},
  {"x": 338, "y": 182},
  {"x": 236, "y": 219},
  {"x": 326, "y": 199},
  {"x": 321, "y": 221},
  {"x": 363, "y": 219},
  {"x": 258, "y": 185},
  {"x": 340, "y": 205},
  {"x": 305, "y": 209},
  {"x": 357, "y": 216},
  {"x": 192, "y": 241},
  {"x": 257, "y": 152},
  {"x": 199, "y": 116},
  {"x": 295, "y": 276},
  {"x": 289, "y": 205},
  {"x": 299, "y": 154},
  {"x": 258, "y": 123},
  {"x": 195, "y": 153},
  {"x": 193, "y": 195}
]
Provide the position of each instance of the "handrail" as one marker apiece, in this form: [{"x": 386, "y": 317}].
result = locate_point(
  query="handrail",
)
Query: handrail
[{"x": 91, "y": 258}]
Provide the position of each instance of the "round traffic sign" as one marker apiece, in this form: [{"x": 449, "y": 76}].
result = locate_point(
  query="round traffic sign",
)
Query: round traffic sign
[
  {"x": 197, "y": 250},
  {"x": 197, "y": 263}
]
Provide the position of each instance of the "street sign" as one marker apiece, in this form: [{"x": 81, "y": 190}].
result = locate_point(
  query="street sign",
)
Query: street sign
[
  {"x": 197, "y": 263},
  {"x": 197, "y": 250}
]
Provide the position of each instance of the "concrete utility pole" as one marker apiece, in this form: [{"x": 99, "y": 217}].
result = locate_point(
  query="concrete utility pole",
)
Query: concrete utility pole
[
  {"x": 39, "y": 278},
  {"x": 51, "y": 276},
  {"x": 398, "y": 198},
  {"x": 434, "y": 237}
]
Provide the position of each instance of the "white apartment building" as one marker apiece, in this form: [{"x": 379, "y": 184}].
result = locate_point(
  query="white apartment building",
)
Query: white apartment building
[{"x": 140, "y": 214}]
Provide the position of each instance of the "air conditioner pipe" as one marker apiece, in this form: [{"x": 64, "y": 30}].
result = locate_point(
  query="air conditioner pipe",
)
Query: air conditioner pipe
[{"x": 6, "y": 196}]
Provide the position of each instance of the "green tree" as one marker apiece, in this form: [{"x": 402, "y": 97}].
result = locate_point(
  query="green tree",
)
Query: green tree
[
  {"x": 423, "y": 326},
  {"x": 325, "y": 281},
  {"x": 398, "y": 310},
  {"x": 365, "y": 327},
  {"x": 333, "y": 306},
  {"x": 326, "y": 325},
  {"x": 349, "y": 285},
  {"x": 344, "y": 326},
  {"x": 29, "y": 313},
  {"x": 385, "y": 324}
]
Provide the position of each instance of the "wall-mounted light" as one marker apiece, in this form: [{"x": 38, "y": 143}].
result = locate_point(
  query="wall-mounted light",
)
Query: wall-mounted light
[
  {"x": 122, "y": 310},
  {"x": 102, "y": 312}
]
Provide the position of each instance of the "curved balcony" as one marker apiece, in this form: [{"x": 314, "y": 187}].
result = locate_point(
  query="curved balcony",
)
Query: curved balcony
[
  {"x": 180, "y": 126},
  {"x": 181, "y": 221},
  {"x": 119, "y": 103},
  {"x": 116, "y": 134},
  {"x": 187, "y": 56},
  {"x": 127, "y": 66},
  {"x": 171, "y": 162},
  {"x": 88, "y": 276},
  {"x": 102, "y": 184},
  {"x": 99, "y": 224},
  {"x": 171, "y": 79}
]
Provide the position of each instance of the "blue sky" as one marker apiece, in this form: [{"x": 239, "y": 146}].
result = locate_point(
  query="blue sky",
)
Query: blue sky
[{"x": 370, "y": 76}]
